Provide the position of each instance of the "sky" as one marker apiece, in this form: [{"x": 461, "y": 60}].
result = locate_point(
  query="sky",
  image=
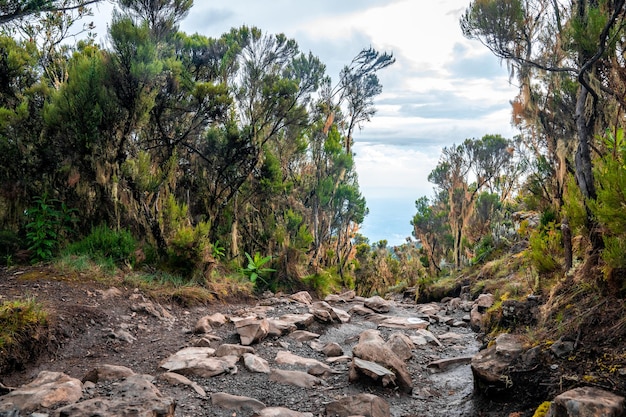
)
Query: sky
[{"x": 441, "y": 90}]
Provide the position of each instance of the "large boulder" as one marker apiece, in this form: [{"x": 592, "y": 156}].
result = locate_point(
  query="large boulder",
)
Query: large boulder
[
  {"x": 490, "y": 366},
  {"x": 377, "y": 304},
  {"x": 587, "y": 402},
  {"x": 198, "y": 361},
  {"x": 48, "y": 390},
  {"x": 236, "y": 402},
  {"x": 366, "y": 405},
  {"x": 252, "y": 330},
  {"x": 371, "y": 347},
  {"x": 134, "y": 396}
]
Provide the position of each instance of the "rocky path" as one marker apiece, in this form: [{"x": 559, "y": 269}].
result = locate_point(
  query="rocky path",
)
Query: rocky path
[{"x": 284, "y": 356}]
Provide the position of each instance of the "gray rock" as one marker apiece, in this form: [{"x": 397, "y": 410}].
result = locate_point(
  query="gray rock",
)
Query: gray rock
[
  {"x": 366, "y": 405},
  {"x": 332, "y": 349},
  {"x": 203, "y": 326},
  {"x": 371, "y": 370},
  {"x": 484, "y": 301},
  {"x": 107, "y": 373},
  {"x": 562, "y": 348},
  {"x": 401, "y": 345},
  {"x": 280, "y": 412},
  {"x": 404, "y": 323},
  {"x": 297, "y": 378},
  {"x": 48, "y": 390},
  {"x": 236, "y": 402},
  {"x": 587, "y": 402},
  {"x": 134, "y": 396},
  {"x": 196, "y": 361},
  {"x": 252, "y": 330},
  {"x": 303, "y": 297},
  {"x": 255, "y": 363},
  {"x": 287, "y": 358},
  {"x": 372, "y": 348},
  {"x": 377, "y": 304},
  {"x": 177, "y": 379},
  {"x": 303, "y": 335},
  {"x": 227, "y": 349},
  {"x": 489, "y": 366}
]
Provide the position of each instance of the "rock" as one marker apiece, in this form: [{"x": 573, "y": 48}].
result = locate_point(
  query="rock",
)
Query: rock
[
  {"x": 372, "y": 370},
  {"x": 196, "y": 361},
  {"x": 303, "y": 335},
  {"x": 368, "y": 313},
  {"x": 430, "y": 309},
  {"x": 177, "y": 379},
  {"x": 228, "y": 349},
  {"x": 157, "y": 311},
  {"x": 303, "y": 297},
  {"x": 366, "y": 405},
  {"x": 430, "y": 338},
  {"x": 48, "y": 390},
  {"x": 484, "y": 301},
  {"x": 418, "y": 340},
  {"x": 446, "y": 363},
  {"x": 280, "y": 327},
  {"x": 332, "y": 349},
  {"x": 401, "y": 345},
  {"x": 489, "y": 366},
  {"x": 134, "y": 396},
  {"x": 476, "y": 319},
  {"x": 236, "y": 402},
  {"x": 324, "y": 313},
  {"x": 562, "y": 348},
  {"x": 288, "y": 358},
  {"x": 280, "y": 412},
  {"x": 122, "y": 335},
  {"x": 297, "y": 378},
  {"x": 451, "y": 337},
  {"x": 217, "y": 319},
  {"x": 302, "y": 321},
  {"x": 252, "y": 330},
  {"x": 207, "y": 340},
  {"x": 371, "y": 348},
  {"x": 203, "y": 326},
  {"x": 341, "y": 298},
  {"x": 405, "y": 323},
  {"x": 377, "y": 304},
  {"x": 587, "y": 402},
  {"x": 107, "y": 373},
  {"x": 254, "y": 363}
]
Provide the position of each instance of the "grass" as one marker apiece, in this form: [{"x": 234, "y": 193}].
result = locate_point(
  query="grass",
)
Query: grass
[
  {"x": 23, "y": 324},
  {"x": 172, "y": 287}
]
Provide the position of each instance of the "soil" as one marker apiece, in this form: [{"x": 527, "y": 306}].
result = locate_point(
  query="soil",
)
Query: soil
[{"x": 84, "y": 313}]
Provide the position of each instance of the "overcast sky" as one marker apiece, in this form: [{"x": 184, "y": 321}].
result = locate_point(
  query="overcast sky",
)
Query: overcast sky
[{"x": 441, "y": 90}]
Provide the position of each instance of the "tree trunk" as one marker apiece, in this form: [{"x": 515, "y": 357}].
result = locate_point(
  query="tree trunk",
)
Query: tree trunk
[
  {"x": 567, "y": 243},
  {"x": 584, "y": 166}
]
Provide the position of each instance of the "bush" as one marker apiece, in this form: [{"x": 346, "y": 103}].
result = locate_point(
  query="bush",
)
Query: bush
[
  {"x": 105, "y": 244},
  {"x": 49, "y": 221},
  {"x": 543, "y": 247}
]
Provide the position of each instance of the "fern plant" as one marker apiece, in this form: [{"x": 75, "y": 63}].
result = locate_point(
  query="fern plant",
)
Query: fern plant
[{"x": 254, "y": 270}]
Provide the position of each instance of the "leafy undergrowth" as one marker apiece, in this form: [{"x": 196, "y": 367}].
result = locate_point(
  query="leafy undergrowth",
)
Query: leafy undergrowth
[{"x": 23, "y": 332}]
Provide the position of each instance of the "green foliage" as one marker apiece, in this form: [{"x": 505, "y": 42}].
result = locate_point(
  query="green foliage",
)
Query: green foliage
[
  {"x": 9, "y": 244},
  {"x": 189, "y": 250},
  {"x": 544, "y": 247},
  {"x": 254, "y": 269},
  {"x": 50, "y": 220},
  {"x": 573, "y": 206},
  {"x": 22, "y": 327},
  {"x": 106, "y": 244},
  {"x": 483, "y": 249},
  {"x": 324, "y": 282}
]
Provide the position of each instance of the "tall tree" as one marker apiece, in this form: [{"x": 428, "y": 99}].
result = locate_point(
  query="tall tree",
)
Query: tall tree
[{"x": 578, "y": 39}]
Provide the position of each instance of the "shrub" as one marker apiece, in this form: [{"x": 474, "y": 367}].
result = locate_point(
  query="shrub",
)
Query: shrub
[
  {"x": 50, "y": 221},
  {"x": 105, "y": 244}
]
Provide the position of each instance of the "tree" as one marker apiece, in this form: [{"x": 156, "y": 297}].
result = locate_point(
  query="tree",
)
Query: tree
[
  {"x": 430, "y": 228},
  {"x": 11, "y": 10},
  {"x": 577, "y": 39}
]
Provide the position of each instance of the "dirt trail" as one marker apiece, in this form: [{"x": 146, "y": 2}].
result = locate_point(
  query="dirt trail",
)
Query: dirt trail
[{"x": 92, "y": 324}]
